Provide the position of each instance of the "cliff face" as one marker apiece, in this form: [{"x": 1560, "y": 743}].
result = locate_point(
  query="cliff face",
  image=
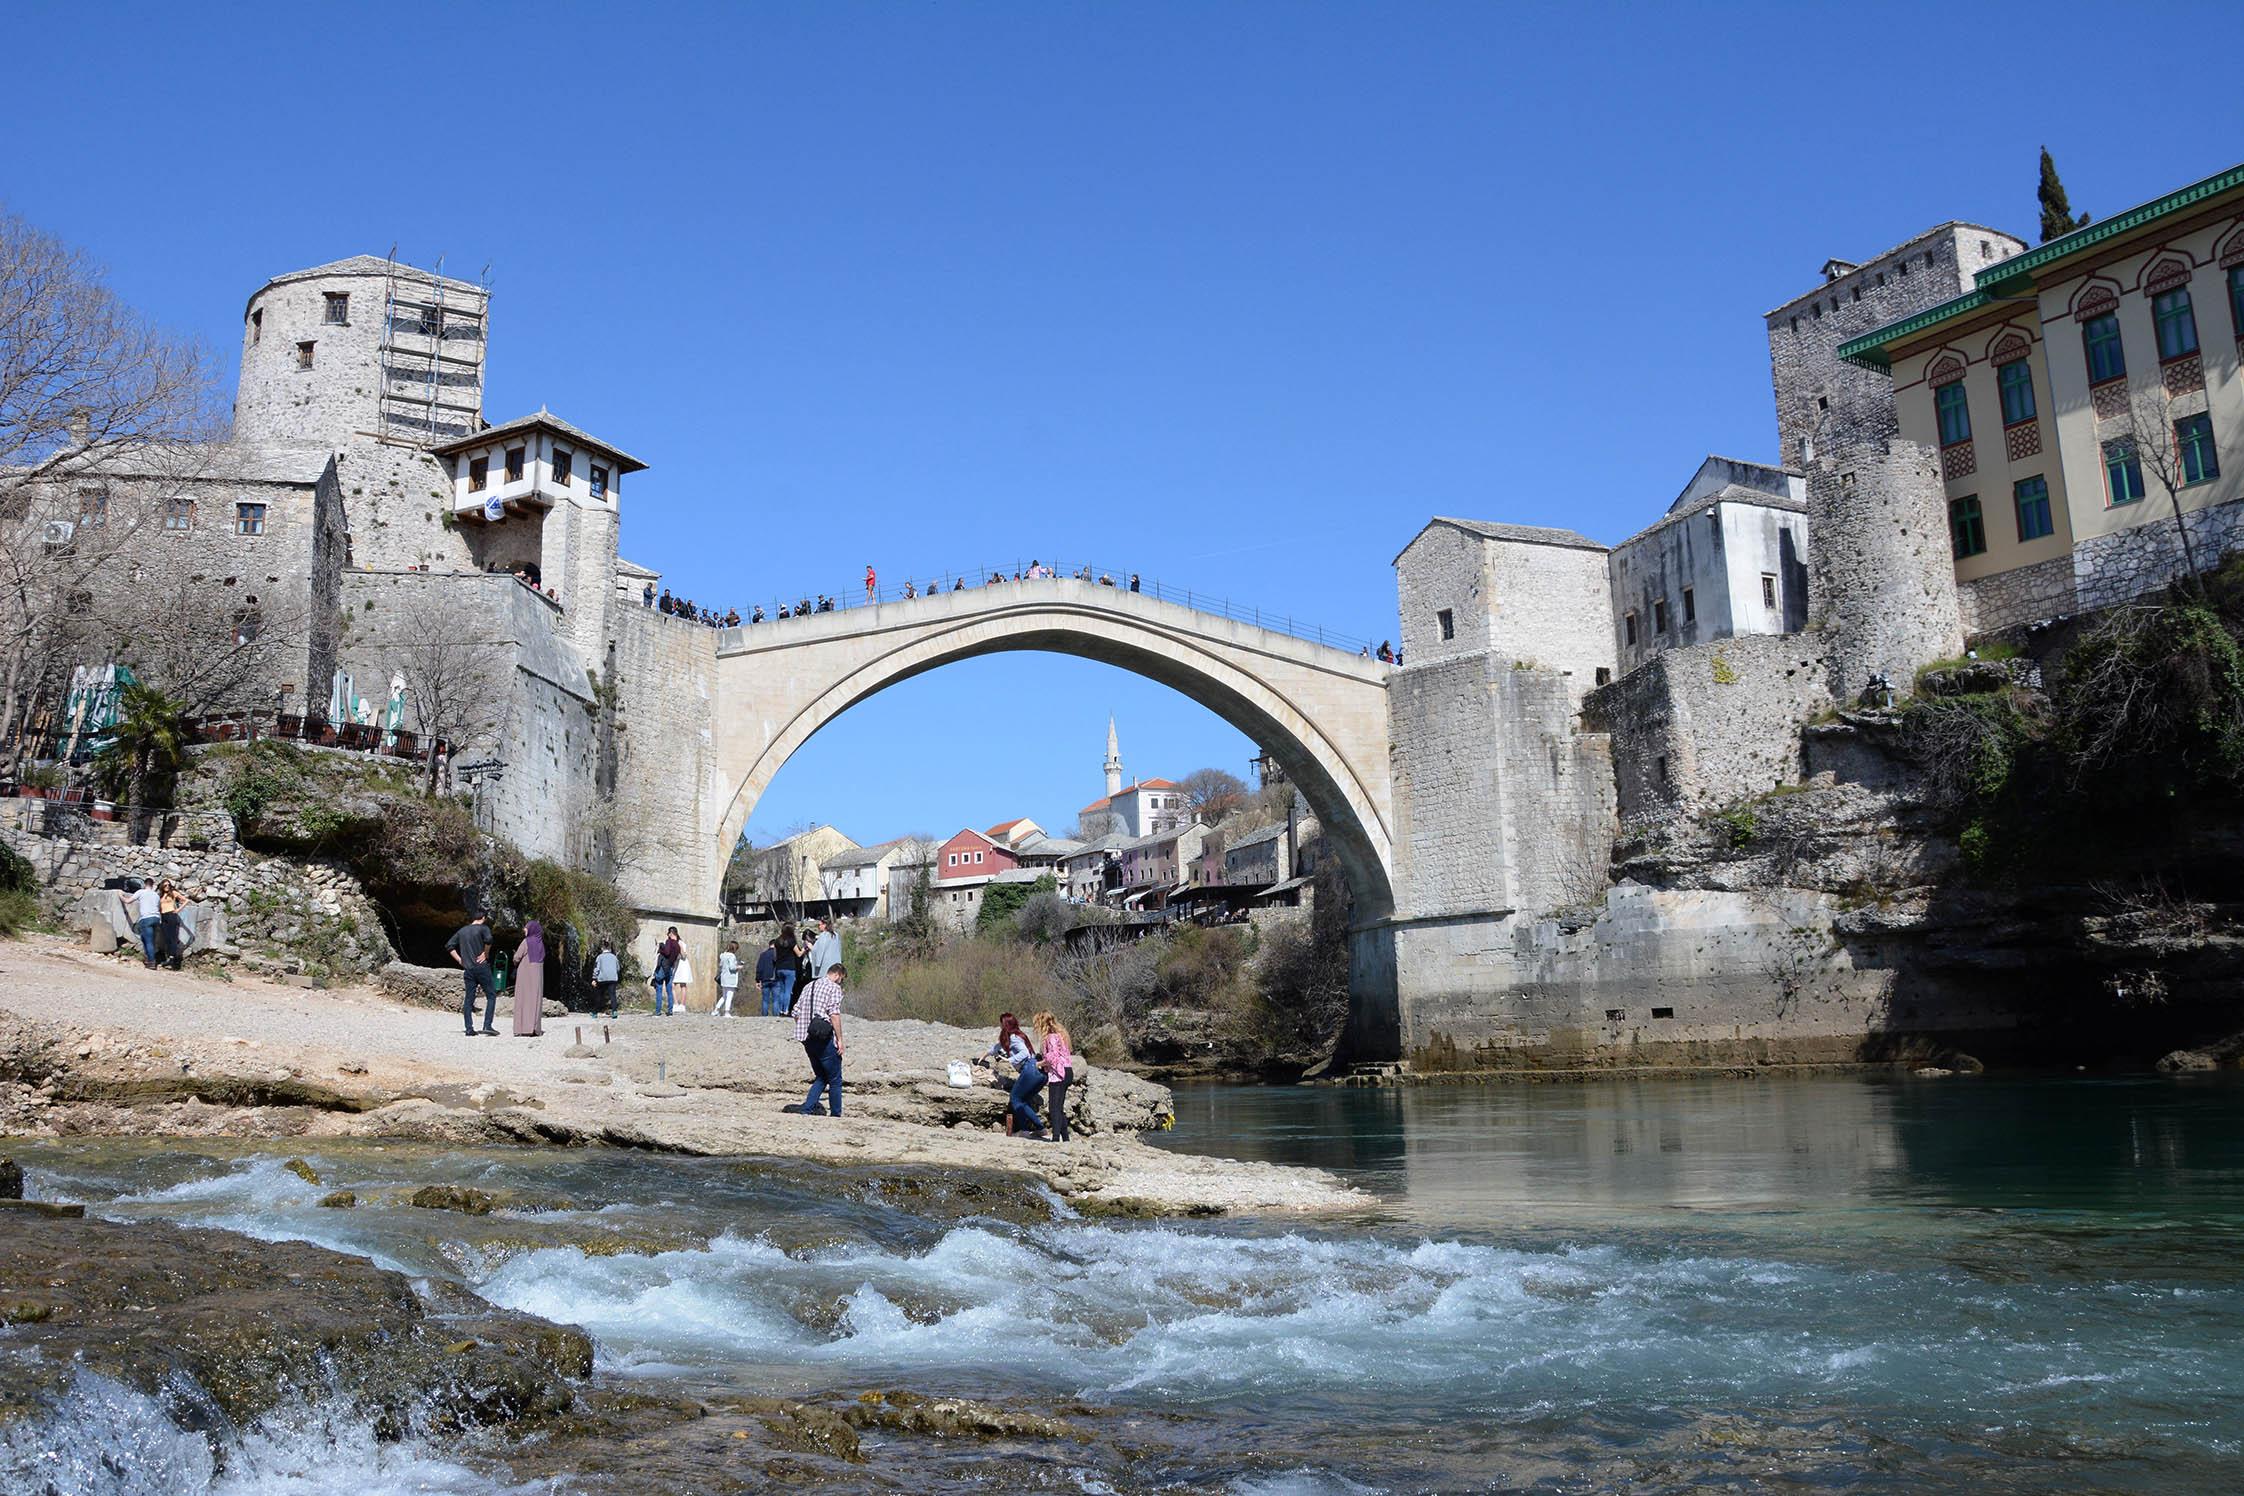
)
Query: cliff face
[{"x": 1841, "y": 922}]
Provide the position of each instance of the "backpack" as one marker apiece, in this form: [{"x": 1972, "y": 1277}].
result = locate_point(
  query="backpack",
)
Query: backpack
[{"x": 767, "y": 968}]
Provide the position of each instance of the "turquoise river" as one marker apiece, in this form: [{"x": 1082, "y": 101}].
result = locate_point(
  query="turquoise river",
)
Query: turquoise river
[{"x": 1815, "y": 1283}]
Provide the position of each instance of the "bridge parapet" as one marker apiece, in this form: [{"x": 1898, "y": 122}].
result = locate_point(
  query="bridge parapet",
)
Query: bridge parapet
[{"x": 1236, "y": 628}]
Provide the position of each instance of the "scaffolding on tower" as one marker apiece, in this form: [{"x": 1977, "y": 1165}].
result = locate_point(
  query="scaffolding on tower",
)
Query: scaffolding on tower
[{"x": 414, "y": 406}]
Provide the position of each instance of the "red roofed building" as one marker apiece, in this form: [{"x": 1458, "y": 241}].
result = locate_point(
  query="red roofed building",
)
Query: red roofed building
[
  {"x": 1015, "y": 834},
  {"x": 972, "y": 854}
]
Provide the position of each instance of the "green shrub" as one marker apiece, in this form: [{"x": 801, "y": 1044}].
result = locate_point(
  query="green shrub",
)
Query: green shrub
[{"x": 1002, "y": 903}]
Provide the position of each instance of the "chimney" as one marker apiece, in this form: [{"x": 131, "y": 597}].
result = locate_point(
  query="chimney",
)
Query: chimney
[{"x": 81, "y": 426}]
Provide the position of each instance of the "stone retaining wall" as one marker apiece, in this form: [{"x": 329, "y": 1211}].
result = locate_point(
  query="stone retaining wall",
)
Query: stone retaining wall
[{"x": 295, "y": 916}]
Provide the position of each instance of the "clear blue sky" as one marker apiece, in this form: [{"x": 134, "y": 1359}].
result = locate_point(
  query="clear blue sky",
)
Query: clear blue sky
[{"x": 1237, "y": 295}]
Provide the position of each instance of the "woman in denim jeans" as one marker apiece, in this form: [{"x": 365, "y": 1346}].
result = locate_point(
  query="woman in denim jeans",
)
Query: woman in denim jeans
[{"x": 666, "y": 968}]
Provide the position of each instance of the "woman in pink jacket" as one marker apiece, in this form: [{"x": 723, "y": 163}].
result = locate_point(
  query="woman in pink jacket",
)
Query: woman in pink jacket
[{"x": 1059, "y": 1068}]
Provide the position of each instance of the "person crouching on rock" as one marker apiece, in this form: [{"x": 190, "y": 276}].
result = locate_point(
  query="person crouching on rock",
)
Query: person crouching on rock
[
  {"x": 1058, "y": 1056},
  {"x": 1020, "y": 1109},
  {"x": 818, "y": 1028},
  {"x": 529, "y": 982}
]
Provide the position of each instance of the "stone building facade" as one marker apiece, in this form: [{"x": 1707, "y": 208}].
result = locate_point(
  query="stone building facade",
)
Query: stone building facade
[
  {"x": 1729, "y": 557},
  {"x": 1539, "y": 597}
]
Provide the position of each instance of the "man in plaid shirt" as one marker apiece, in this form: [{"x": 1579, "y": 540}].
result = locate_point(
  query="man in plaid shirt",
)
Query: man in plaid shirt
[{"x": 820, "y": 1008}]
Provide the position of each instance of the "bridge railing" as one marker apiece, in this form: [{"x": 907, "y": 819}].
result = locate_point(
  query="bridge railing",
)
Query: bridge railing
[{"x": 779, "y": 610}]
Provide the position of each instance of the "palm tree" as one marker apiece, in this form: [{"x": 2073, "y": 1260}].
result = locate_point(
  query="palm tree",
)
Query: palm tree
[{"x": 146, "y": 748}]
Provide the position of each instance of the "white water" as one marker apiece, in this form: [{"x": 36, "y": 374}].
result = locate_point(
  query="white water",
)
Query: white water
[{"x": 105, "y": 1439}]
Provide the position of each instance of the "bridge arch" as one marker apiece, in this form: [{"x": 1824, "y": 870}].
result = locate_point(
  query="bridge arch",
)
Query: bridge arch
[{"x": 1320, "y": 712}]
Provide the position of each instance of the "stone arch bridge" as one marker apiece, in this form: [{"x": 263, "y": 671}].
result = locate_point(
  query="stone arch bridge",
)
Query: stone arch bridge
[
  {"x": 1320, "y": 712},
  {"x": 1456, "y": 795}
]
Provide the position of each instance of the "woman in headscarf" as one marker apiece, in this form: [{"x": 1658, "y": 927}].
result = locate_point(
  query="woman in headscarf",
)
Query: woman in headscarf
[{"x": 529, "y": 982}]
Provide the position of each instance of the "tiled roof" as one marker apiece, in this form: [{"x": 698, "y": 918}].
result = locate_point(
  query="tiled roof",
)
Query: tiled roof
[
  {"x": 1525, "y": 534},
  {"x": 1730, "y": 493},
  {"x": 864, "y": 856},
  {"x": 373, "y": 265},
  {"x": 625, "y": 462},
  {"x": 1256, "y": 838}
]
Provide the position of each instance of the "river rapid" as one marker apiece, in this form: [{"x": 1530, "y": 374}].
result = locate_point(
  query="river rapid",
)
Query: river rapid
[{"x": 1986, "y": 1285}]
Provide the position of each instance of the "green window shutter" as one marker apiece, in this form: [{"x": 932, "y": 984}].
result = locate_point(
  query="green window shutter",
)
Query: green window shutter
[
  {"x": 1966, "y": 529},
  {"x": 1955, "y": 413},
  {"x": 2123, "y": 472},
  {"x": 2193, "y": 438},
  {"x": 2106, "y": 358},
  {"x": 2032, "y": 498},
  {"x": 2016, "y": 380},
  {"x": 2177, "y": 324}
]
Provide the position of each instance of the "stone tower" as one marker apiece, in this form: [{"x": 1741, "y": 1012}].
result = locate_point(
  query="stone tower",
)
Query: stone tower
[
  {"x": 1881, "y": 579},
  {"x": 363, "y": 347},
  {"x": 1113, "y": 761}
]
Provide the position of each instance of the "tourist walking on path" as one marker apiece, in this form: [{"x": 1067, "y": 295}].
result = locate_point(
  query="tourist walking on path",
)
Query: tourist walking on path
[
  {"x": 827, "y": 949},
  {"x": 667, "y": 956},
  {"x": 728, "y": 979},
  {"x": 1059, "y": 1068},
  {"x": 1020, "y": 1110},
  {"x": 144, "y": 912},
  {"x": 470, "y": 946},
  {"x": 818, "y": 1028},
  {"x": 868, "y": 581},
  {"x": 529, "y": 982},
  {"x": 607, "y": 976}
]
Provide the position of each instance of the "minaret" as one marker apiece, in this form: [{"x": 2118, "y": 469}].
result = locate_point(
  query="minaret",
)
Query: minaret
[{"x": 1113, "y": 761}]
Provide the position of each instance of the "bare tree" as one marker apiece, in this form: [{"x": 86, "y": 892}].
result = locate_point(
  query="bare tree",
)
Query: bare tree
[
  {"x": 102, "y": 419},
  {"x": 1211, "y": 794},
  {"x": 455, "y": 678},
  {"x": 1093, "y": 824},
  {"x": 2152, "y": 440}
]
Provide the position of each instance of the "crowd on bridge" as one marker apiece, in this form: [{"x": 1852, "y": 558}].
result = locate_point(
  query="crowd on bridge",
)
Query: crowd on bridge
[{"x": 664, "y": 602}]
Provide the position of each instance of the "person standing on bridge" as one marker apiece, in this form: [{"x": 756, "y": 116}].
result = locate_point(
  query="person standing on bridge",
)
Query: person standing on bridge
[
  {"x": 1133, "y": 581},
  {"x": 868, "y": 581}
]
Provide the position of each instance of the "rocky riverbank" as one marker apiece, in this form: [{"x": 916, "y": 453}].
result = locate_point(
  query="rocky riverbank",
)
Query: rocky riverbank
[
  {"x": 97, "y": 1046},
  {"x": 146, "y": 1356}
]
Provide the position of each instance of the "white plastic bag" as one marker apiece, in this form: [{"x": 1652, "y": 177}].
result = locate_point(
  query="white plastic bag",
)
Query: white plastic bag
[{"x": 962, "y": 1075}]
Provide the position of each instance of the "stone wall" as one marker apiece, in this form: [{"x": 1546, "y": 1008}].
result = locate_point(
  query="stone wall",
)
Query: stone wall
[
  {"x": 1551, "y": 608},
  {"x": 668, "y": 788},
  {"x": 397, "y": 500},
  {"x": 1711, "y": 724},
  {"x": 2030, "y": 594},
  {"x": 548, "y": 733},
  {"x": 292, "y": 916},
  {"x": 2112, "y": 569},
  {"x": 1443, "y": 567},
  {"x": 1881, "y": 579}
]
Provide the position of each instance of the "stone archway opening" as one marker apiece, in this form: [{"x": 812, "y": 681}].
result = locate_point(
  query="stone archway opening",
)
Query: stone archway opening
[{"x": 1318, "y": 712}]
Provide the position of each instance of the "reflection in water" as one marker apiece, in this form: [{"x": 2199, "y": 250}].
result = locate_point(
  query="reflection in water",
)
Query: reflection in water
[{"x": 1838, "y": 1146}]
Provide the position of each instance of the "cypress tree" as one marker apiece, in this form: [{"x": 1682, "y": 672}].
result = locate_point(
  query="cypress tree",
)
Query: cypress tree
[{"x": 2056, "y": 213}]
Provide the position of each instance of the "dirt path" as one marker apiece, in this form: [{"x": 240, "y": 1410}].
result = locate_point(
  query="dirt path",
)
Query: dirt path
[{"x": 98, "y": 1044}]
